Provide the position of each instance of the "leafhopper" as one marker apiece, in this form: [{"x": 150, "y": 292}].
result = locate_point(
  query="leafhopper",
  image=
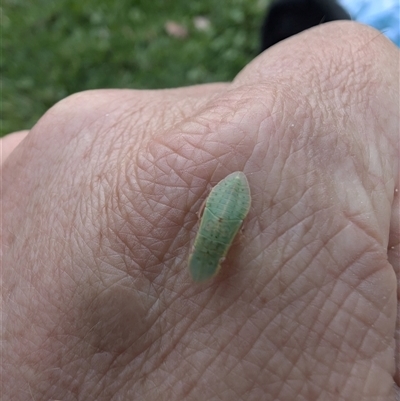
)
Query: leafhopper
[{"x": 225, "y": 209}]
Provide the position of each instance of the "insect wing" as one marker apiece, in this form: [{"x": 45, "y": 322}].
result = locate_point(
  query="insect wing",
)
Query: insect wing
[{"x": 225, "y": 208}]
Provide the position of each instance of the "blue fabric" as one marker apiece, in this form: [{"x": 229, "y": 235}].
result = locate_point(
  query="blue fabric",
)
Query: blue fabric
[{"x": 383, "y": 15}]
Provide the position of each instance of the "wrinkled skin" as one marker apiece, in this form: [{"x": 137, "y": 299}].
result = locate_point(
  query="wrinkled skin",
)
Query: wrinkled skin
[{"x": 99, "y": 207}]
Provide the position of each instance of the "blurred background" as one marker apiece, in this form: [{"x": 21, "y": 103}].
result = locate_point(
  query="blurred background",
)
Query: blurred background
[{"x": 51, "y": 49}]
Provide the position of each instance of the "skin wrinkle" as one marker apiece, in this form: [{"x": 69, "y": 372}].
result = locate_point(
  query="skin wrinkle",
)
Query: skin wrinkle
[
  {"x": 118, "y": 369},
  {"x": 138, "y": 105},
  {"x": 350, "y": 289},
  {"x": 315, "y": 331},
  {"x": 183, "y": 331},
  {"x": 221, "y": 350},
  {"x": 290, "y": 336},
  {"x": 241, "y": 358},
  {"x": 348, "y": 312},
  {"x": 349, "y": 322},
  {"x": 277, "y": 272}
]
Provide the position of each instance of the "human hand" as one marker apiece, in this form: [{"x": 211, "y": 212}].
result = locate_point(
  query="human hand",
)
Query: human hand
[{"x": 99, "y": 207}]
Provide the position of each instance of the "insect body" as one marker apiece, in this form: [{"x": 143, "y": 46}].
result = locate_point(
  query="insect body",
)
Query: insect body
[{"x": 224, "y": 212}]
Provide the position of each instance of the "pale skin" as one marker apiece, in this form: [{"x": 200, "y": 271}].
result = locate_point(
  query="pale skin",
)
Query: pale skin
[{"x": 99, "y": 207}]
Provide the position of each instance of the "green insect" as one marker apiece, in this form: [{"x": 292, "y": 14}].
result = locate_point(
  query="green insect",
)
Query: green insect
[{"x": 224, "y": 211}]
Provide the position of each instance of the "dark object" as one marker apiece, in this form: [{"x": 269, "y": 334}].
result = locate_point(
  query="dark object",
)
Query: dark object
[{"x": 289, "y": 17}]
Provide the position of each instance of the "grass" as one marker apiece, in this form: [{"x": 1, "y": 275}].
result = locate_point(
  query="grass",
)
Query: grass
[{"x": 51, "y": 49}]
